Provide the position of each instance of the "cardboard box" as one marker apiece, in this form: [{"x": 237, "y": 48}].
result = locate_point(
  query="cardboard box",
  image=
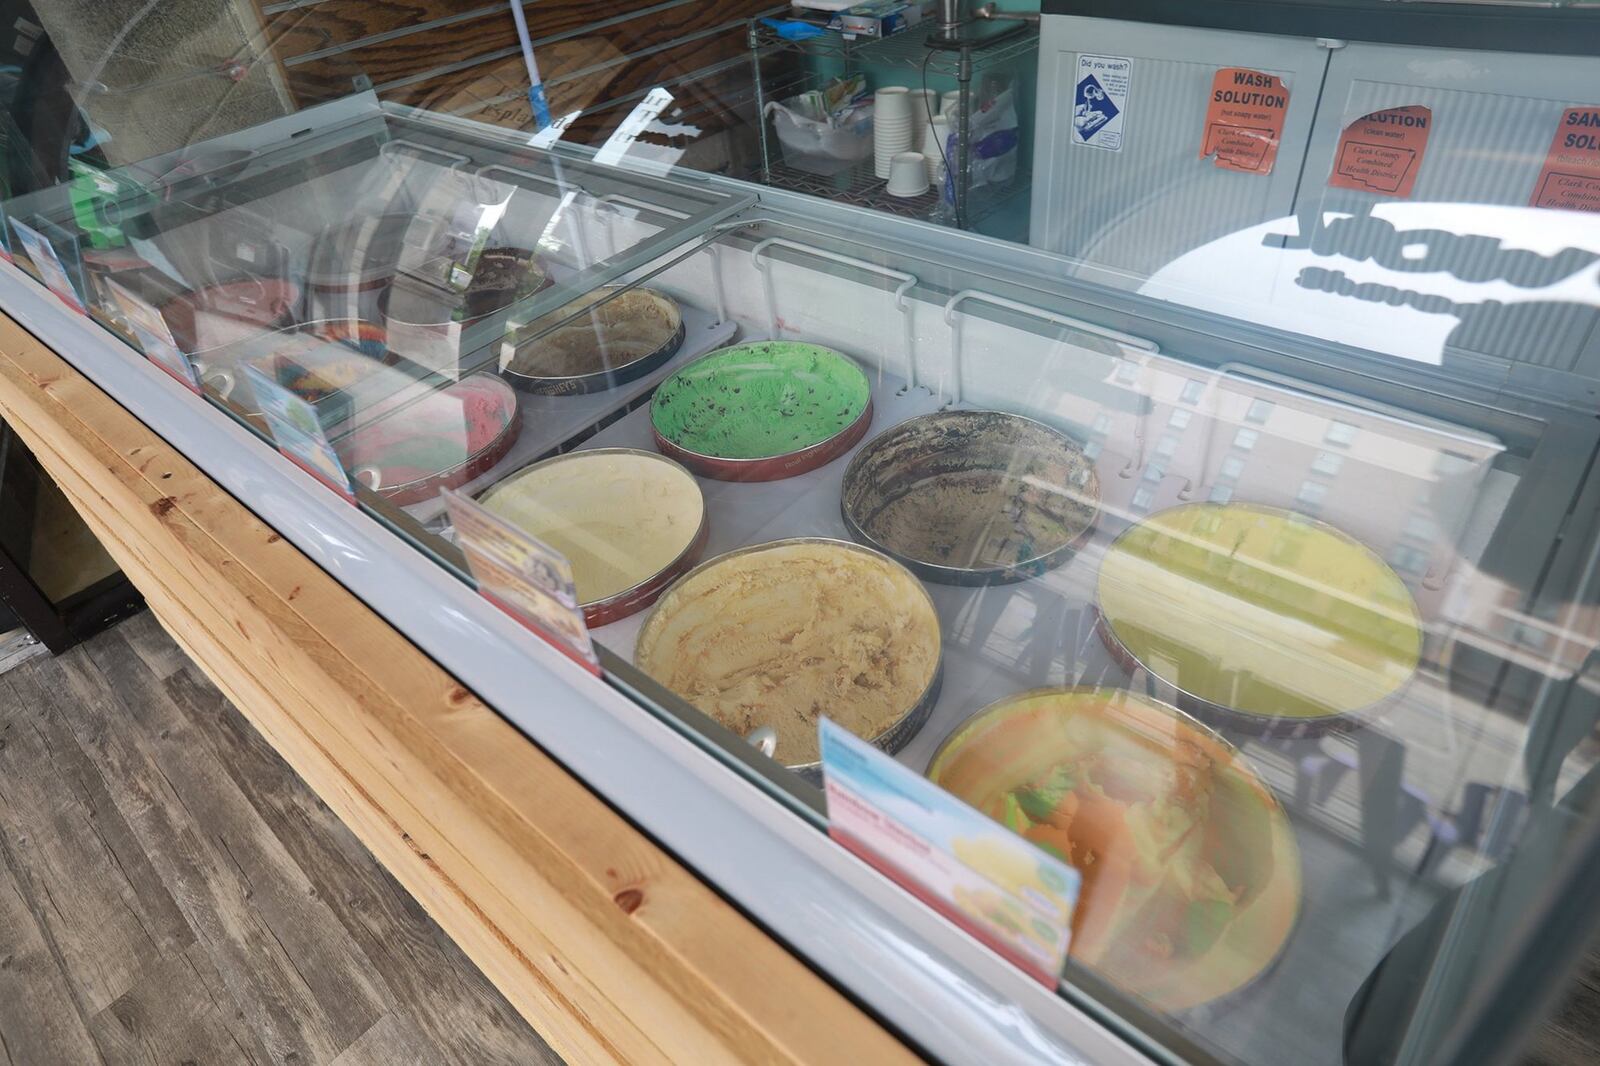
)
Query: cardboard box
[{"x": 880, "y": 18}]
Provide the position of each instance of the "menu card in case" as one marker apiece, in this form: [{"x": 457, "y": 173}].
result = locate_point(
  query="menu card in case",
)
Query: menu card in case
[
  {"x": 298, "y": 433},
  {"x": 524, "y": 577},
  {"x": 997, "y": 886},
  {"x": 153, "y": 335},
  {"x": 56, "y": 259}
]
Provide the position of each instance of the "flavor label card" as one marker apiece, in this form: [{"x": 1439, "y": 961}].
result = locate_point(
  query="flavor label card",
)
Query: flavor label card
[
  {"x": 60, "y": 269},
  {"x": 151, "y": 331},
  {"x": 1100, "y": 101},
  {"x": 298, "y": 433},
  {"x": 991, "y": 882},
  {"x": 523, "y": 576},
  {"x": 1570, "y": 178},
  {"x": 1382, "y": 152},
  {"x": 1244, "y": 120}
]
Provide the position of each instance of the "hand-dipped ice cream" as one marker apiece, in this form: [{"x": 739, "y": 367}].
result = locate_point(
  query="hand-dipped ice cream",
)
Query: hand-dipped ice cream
[
  {"x": 1259, "y": 612},
  {"x": 1191, "y": 877},
  {"x": 972, "y": 496},
  {"x": 621, "y": 517},
  {"x": 780, "y": 634},
  {"x": 443, "y": 439},
  {"x": 761, "y": 401},
  {"x": 625, "y": 337}
]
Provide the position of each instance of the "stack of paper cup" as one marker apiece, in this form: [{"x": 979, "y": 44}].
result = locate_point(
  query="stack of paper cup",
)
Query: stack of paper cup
[
  {"x": 893, "y": 129},
  {"x": 924, "y": 107},
  {"x": 934, "y": 149},
  {"x": 951, "y": 106}
]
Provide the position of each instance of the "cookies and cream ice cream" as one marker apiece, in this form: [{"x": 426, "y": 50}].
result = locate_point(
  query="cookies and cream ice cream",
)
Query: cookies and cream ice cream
[
  {"x": 619, "y": 516},
  {"x": 975, "y": 491},
  {"x": 781, "y": 634}
]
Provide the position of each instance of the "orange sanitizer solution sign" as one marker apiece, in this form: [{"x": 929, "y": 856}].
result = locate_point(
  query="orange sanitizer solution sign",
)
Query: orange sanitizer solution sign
[
  {"x": 1382, "y": 152},
  {"x": 1244, "y": 120},
  {"x": 1570, "y": 179}
]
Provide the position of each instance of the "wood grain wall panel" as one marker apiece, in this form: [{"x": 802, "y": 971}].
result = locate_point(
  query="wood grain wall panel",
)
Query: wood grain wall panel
[
  {"x": 333, "y": 23},
  {"x": 490, "y": 37},
  {"x": 340, "y": 23},
  {"x": 581, "y": 74}
]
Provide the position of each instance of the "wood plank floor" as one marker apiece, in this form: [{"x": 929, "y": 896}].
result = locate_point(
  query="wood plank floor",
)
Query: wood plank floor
[{"x": 171, "y": 892}]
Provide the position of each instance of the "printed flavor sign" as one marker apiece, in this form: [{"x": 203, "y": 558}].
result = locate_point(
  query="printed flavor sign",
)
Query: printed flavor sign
[
  {"x": 1570, "y": 179},
  {"x": 1244, "y": 120},
  {"x": 524, "y": 577},
  {"x": 991, "y": 882},
  {"x": 1382, "y": 152},
  {"x": 56, "y": 268},
  {"x": 298, "y": 433},
  {"x": 154, "y": 338}
]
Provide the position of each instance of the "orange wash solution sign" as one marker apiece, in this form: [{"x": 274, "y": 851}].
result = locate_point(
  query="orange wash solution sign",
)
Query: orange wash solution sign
[
  {"x": 1571, "y": 175},
  {"x": 1382, "y": 152},
  {"x": 1244, "y": 120}
]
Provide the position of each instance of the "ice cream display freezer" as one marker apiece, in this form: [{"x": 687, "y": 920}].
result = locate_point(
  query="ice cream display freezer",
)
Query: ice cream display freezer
[{"x": 1232, "y": 620}]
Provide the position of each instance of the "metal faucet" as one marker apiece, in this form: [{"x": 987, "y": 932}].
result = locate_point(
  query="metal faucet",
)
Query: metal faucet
[{"x": 990, "y": 11}]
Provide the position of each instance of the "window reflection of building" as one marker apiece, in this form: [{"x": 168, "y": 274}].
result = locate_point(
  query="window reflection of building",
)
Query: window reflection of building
[
  {"x": 1174, "y": 436},
  {"x": 1420, "y": 527},
  {"x": 1409, "y": 560},
  {"x": 1311, "y": 495}
]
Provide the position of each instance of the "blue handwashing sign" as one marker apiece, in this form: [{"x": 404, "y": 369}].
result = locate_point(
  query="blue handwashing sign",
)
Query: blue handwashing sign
[
  {"x": 1100, "y": 101},
  {"x": 1092, "y": 108}
]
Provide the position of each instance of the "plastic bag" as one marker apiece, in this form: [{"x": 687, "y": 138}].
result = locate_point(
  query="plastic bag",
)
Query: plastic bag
[{"x": 995, "y": 138}]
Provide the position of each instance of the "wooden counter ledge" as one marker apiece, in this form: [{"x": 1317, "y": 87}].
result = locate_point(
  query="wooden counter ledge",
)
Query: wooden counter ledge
[{"x": 612, "y": 950}]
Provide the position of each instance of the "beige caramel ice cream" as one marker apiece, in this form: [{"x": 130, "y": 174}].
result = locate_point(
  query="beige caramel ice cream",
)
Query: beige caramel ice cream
[
  {"x": 620, "y": 517},
  {"x": 784, "y": 633}
]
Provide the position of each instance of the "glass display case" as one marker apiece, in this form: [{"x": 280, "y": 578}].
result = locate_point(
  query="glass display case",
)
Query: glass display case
[{"x": 1277, "y": 630}]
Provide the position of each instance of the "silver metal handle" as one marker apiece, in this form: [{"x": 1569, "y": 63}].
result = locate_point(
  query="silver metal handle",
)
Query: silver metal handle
[
  {"x": 368, "y": 475},
  {"x": 764, "y": 739},
  {"x": 221, "y": 380},
  {"x": 565, "y": 190},
  {"x": 458, "y": 160},
  {"x": 485, "y": 171},
  {"x": 611, "y": 199},
  {"x": 1127, "y": 340},
  {"x": 907, "y": 282}
]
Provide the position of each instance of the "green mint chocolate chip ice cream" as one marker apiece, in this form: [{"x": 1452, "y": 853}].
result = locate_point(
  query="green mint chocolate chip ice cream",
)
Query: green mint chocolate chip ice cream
[{"x": 759, "y": 400}]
